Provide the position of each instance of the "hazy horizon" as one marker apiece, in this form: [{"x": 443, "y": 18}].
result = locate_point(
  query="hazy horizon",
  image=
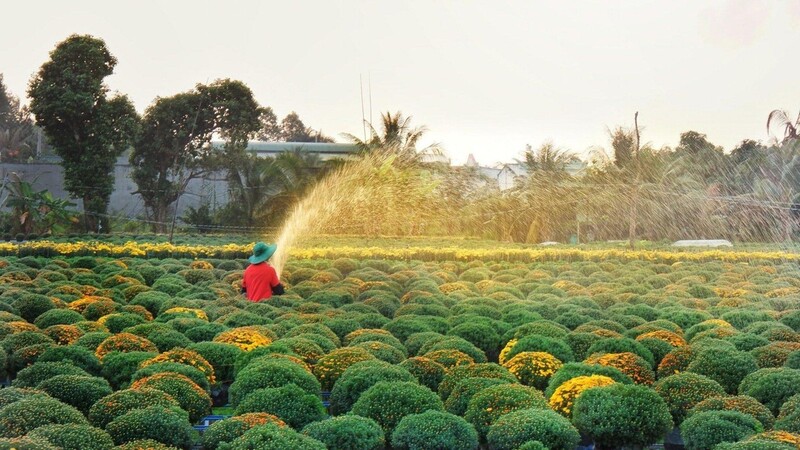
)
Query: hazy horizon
[{"x": 484, "y": 78}]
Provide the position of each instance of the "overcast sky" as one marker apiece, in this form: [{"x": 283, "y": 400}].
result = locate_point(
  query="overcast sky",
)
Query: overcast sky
[{"x": 485, "y": 77}]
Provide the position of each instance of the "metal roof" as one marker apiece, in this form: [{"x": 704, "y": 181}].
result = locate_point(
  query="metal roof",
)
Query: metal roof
[{"x": 311, "y": 147}]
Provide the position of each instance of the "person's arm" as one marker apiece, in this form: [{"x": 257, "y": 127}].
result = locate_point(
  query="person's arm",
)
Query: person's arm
[
  {"x": 277, "y": 287},
  {"x": 244, "y": 285}
]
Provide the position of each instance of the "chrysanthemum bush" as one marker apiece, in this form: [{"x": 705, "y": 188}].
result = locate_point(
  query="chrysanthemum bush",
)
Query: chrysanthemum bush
[
  {"x": 621, "y": 415},
  {"x": 533, "y": 368},
  {"x": 490, "y": 403},
  {"x": 387, "y": 402},
  {"x": 347, "y": 432},
  {"x": 232, "y": 428},
  {"x": 244, "y": 338},
  {"x": 193, "y": 399},
  {"x": 563, "y": 398},
  {"x": 702, "y": 322}
]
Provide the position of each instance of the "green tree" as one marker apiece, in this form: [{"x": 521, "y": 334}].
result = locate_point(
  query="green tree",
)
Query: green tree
[
  {"x": 270, "y": 129},
  {"x": 263, "y": 190},
  {"x": 292, "y": 129},
  {"x": 174, "y": 145},
  {"x": 88, "y": 128},
  {"x": 17, "y": 132},
  {"x": 397, "y": 138},
  {"x": 623, "y": 142}
]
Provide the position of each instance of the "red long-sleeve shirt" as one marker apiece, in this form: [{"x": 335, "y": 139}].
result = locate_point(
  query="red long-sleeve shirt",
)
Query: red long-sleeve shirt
[{"x": 258, "y": 281}]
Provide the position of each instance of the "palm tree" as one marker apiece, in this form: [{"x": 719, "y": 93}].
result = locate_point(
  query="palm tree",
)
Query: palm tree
[
  {"x": 790, "y": 129},
  {"x": 397, "y": 138},
  {"x": 547, "y": 158}
]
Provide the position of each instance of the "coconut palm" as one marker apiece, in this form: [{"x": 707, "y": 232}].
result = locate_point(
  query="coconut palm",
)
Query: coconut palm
[
  {"x": 782, "y": 119},
  {"x": 397, "y": 138}
]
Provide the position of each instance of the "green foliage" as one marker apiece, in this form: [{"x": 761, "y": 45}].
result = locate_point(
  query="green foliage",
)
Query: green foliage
[
  {"x": 57, "y": 317},
  {"x": 270, "y": 373},
  {"x": 683, "y": 391},
  {"x": 771, "y": 387},
  {"x": 434, "y": 429},
  {"x": 348, "y": 432},
  {"x": 571, "y": 370},
  {"x": 427, "y": 372},
  {"x": 485, "y": 370},
  {"x": 190, "y": 396},
  {"x": 190, "y": 372},
  {"x": 23, "y": 416},
  {"x": 78, "y": 356},
  {"x": 221, "y": 356},
  {"x": 119, "y": 367},
  {"x": 74, "y": 437},
  {"x": 68, "y": 89},
  {"x": 167, "y": 425},
  {"x": 537, "y": 343},
  {"x": 31, "y": 376},
  {"x": 621, "y": 345},
  {"x": 26, "y": 443},
  {"x": 170, "y": 149},
  {"x": 740, "y": 403},
  {"x": 387, "y": 402},
  {"x": 76, "y": 390},
  {"x": 546, "y": 426},
  {"x": 291, "y": 403},
  {"x": 621, "y": 415},
  {"x": 491, "y": 403},
  {"x": 31, "y": 306},
  {"x": 121, "y": 402},
  {"x": 704, "y": 430},
  {"x": 272, "y": 437},
  {"x": 358, "y": 378},
  {"x": 725, "y": 366},
  {"x": 458, "y": 400}
]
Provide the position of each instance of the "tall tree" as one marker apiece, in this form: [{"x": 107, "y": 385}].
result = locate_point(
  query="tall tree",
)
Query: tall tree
[
  {"x": 270, "y": 129},
  {"x": 782, "y": 119},
  {"x": 547, "y": 158},
  {"x": 88, "y": 128},
  {"x": 397, "y": 138},
  {"x": 17, "y": 133},
  {"x": 623, "y": 142},
  {"x": 292, "y": 129},
  {"x": 174, "y": 145}
]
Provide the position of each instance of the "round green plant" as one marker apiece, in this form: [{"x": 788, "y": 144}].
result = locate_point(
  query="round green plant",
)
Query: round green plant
[
  {"x": 167, "y": 425},
  {"x": 709, "y": 428},
  {"x": 546, "y": 426},
  {"x": 272, "y": 437},
  {"x": 434, "y": 429},
  {"x": 290, "y": 403},
  {"x": 621, "y": 415},
  {"x": 348, "y": 432},
  {"x": 389, "y": 401},
  {"x": 74, "y": 437}
]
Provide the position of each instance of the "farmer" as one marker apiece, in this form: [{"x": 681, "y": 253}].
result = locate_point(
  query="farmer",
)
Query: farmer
[{"x": 260, "y": 280}]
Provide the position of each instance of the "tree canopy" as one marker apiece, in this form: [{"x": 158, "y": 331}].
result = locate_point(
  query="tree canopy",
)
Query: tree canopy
[
  {"x": 88, "y": 128},
  {"x": 174, "y": 144}
]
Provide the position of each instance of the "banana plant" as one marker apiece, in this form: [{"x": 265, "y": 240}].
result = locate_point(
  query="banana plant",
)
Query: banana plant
[{"x": 35, "y": 211}]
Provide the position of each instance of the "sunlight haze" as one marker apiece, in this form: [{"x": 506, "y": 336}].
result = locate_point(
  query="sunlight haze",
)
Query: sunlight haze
[{"x": 484, "y": 77}]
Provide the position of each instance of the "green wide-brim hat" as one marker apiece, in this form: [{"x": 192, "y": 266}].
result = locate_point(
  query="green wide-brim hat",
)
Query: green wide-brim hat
[{"x": 262, "y": 252}]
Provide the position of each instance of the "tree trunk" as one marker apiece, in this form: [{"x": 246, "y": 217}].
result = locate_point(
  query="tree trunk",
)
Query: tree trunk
[
  {"x": 632, "y": 220},
  {"x": 94, "y": 213}
]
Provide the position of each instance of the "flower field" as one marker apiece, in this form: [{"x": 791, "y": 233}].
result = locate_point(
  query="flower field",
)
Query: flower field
[{"x": 131, "y": 345}]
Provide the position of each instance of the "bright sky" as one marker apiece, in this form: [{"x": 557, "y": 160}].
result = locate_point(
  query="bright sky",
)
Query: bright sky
[{"x": 485, "y": 77}]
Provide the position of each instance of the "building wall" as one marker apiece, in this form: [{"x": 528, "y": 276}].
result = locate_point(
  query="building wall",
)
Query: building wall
[{"x": 50, "y": 176}]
